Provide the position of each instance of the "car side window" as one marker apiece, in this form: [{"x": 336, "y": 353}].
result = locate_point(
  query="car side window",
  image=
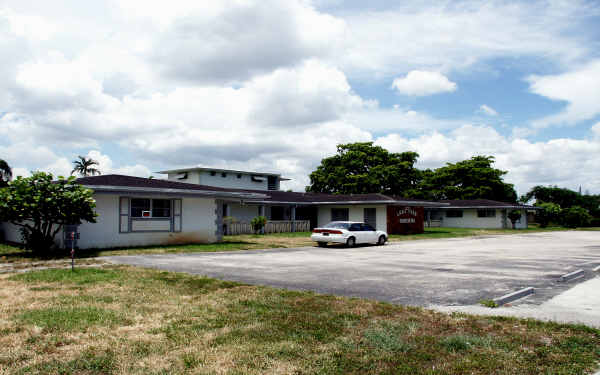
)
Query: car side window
[
  {"x": 368, "y": 228},
  {"x": 355, "y": 227}
]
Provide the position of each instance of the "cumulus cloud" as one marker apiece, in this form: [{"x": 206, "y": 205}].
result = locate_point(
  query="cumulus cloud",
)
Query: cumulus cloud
[
  {"x": 578, "y": 88},
  {"x": 487, "y": 110},
  {"x": 564, "y": 162},
  {"x": 422, "y": 83},
  {"x": 234, "y": 41},
  {"x": 449, "y": 36}
]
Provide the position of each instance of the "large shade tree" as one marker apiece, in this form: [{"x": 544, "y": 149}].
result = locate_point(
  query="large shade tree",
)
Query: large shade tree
[
  {"x": 41, "y": 206},
  {"x": 85, "y": 166},
  {"x": 359, "y": 168},
  {"x": 5, "y": 173},
  {"x": 474, "y": 178}
]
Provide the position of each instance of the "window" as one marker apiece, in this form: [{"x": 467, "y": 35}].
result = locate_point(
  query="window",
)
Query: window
[
  {"x": 336, "y": 225},
  {"x": 355, "y": 228},
  {"x": 223, "y": 174},
  {"x": 487, "y": 212},
  {"x": 454, "y": 213},
  {"x": 272, "y": 183},
  {"x": 213, "y": 173},
  {"x": 370, "y": 216},
  {"x": 161, "y": 208},
  {"x": 239, "y": 175},
  {"x": 368, "y": 228},
  {"x": 277, "y": 213},
  {"x": 140, "y": 207},
  {"x": 339, "y": 214}
]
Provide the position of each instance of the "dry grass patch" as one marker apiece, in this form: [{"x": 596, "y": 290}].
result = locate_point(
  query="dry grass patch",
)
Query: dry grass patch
[{"x": 125, "y": 320}]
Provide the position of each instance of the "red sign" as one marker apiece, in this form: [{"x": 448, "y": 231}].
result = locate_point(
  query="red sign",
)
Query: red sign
[{"x": 405, "y": 220}]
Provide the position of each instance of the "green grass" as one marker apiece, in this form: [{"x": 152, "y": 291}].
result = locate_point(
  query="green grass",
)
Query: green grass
[
  {"x": 148, "y": 321},
  {"x": 78, "y": 276},
  {"x": 66, "y": 319}
]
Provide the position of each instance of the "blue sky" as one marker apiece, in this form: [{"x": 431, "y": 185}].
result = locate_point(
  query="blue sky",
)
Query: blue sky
[{"x": 143, "y": 86}]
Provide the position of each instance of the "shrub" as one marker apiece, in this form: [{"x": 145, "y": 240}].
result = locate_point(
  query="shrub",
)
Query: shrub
[
  {"x": 550, "y": 213},
  {"x": 514, "y": 215},
  {"x": 258, "y": 223},
  {"x": 575, "y": 216}
]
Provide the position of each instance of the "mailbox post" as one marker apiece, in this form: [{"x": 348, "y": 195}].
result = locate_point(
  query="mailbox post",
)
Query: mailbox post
[{"x": 71, "y": 236}]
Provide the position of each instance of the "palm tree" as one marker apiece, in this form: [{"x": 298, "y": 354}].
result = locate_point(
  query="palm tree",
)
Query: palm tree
[
  {"x": 5, "y": 173},
  {"x": 84, "y": 166}
]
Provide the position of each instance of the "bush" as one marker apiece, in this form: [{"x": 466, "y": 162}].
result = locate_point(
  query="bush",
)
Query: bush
[
  {"x": 514, "y": 215},
  {"x": 258, "y": 223},
  {"x": 550, "y": 213},
  {"x": 575, "y": 216}
]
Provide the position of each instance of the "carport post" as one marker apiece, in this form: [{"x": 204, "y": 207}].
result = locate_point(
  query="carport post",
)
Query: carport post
[
  {"x": 293, "y": 214},
  {"x": 261, "y": 212}
]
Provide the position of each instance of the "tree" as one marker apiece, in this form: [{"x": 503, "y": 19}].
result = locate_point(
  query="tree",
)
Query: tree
[
  {"x": 513, "y": 216},
  {"x": 550, "y": 213},
  {"x": 473, "y": 178},
  {"x": 41, "y": 207},
  {"x": 5, "y": 173},
  {"x": 85, "y": 166},
  {"x": 575, "y": 216},
  {"x": 565, "y": 198},
  {"x": 360, "y": 168}
]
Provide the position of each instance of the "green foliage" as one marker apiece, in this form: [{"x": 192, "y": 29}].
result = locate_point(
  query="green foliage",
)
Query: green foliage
[
  {"x": 41, "y": 206},
  {"x": 85, "y": 166},
  {"x": 575, "y": 216},
  {"x": 565, "y": 198},
  {"x": 488, "y": 303},
  {"x": 550, "y": 213},
  {"x": 473, "y": 178},
  {"x": 360, "y": 168},
  {"x": 5, "y": 173},
  {"x": 513, "y": 216},
  {"x": 258, "y": 223}
]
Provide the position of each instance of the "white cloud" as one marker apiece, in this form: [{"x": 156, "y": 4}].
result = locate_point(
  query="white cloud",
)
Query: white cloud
[
  {"x": 487, "y": 110},
  {"x": 578, "y": 88},
  {"x": 447, "y": 36},
  {"x": 563, "y": 162},
  {"x": 422, "y": 83}
]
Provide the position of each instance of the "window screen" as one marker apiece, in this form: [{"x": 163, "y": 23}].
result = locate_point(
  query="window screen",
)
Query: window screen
[
  {"x": 454, "y": 213},
  {"x": 161, "y": 208},
  {"x": 139, "y": 206},
  {"x": 371, "y": 216},
  {"x": 488, "y": 212},
  {"x": 339, "y": 214}
]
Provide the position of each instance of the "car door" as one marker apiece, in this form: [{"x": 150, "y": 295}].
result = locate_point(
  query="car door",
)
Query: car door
[
  {"x": 369, "y": 233},
  {"x": 357, "y": 232}
]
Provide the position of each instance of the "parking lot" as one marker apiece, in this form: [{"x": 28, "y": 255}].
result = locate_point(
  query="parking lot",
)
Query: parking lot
[{"x": 446, "y": 272}]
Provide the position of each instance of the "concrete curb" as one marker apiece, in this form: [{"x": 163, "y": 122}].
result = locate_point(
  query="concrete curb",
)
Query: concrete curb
[
  {"x": 514, "y": 296},
  {"x": 572, "y": 275},
  {"x": 597, "y": 269}
]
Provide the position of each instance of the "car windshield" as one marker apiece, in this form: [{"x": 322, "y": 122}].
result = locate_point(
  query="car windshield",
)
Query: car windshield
[{"x": 337, "y": 225}]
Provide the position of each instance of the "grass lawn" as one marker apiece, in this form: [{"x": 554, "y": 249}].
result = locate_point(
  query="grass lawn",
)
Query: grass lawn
[
  {"x": 125, "y": 320},
  {"x": 9, "y": 254}
]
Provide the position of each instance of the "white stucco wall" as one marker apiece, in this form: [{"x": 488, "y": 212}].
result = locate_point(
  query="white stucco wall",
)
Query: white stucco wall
[
  {"x": 198, "y": 225},
  {"x": 243, "y": 213},
  {"x": 355, "y": 213},
  {"x": 471, "y": 220}
]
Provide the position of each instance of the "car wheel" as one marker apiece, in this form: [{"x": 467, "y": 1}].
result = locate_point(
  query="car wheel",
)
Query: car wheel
[
  {"x": 350, "y": 242},
  {"x": 381, "y": 240},
  {"x": 322, "y": 244}
]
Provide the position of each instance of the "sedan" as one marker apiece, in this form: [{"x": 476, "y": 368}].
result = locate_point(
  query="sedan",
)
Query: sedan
[{"x": 349, "y": 233}]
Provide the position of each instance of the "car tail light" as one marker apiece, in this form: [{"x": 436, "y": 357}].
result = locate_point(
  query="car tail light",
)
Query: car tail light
[{"x": 330, "y": 231}]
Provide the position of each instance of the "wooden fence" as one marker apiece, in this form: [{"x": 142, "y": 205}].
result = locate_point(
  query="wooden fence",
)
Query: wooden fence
[{"x": 276, "y": 226}]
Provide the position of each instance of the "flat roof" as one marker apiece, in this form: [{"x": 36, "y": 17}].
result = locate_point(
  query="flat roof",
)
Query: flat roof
[{"x": 181, "y": 170}]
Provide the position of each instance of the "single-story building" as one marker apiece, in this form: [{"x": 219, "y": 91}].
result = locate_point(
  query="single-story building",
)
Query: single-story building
[
  {"x": 476, "y": 213},
  {"x": 136, "y": 211}
]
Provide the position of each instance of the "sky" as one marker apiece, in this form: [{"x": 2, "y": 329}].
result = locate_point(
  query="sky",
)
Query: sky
[{"x": 274, "y": 86}]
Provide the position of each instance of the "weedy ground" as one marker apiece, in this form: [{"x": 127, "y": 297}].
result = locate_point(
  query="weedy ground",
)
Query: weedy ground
[{"x": 122, "y": 320}]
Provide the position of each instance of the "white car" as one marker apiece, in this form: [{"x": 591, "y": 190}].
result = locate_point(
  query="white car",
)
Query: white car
[{"x": 349, "y": 233}]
